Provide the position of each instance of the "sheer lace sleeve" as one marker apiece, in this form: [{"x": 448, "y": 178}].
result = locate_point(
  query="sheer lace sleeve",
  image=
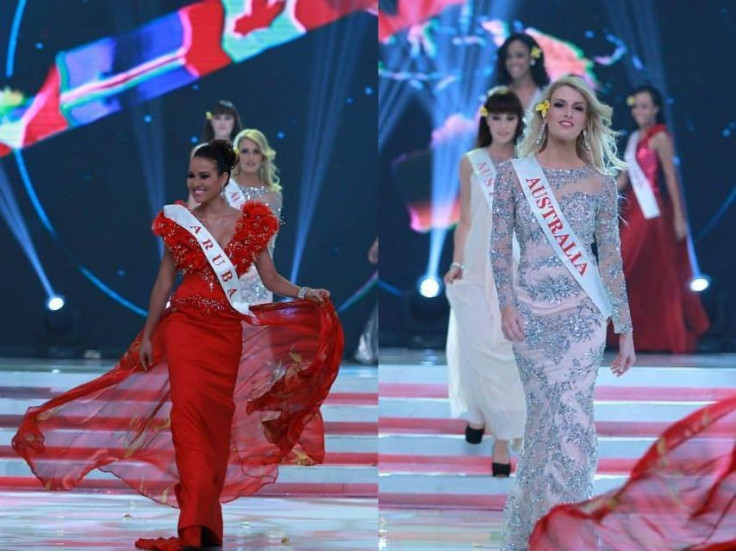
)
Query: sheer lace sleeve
[
  {"x": 274, "y": 200},
  {"x": 504, "y": 218},
  {"x": 608, "y": 242}
]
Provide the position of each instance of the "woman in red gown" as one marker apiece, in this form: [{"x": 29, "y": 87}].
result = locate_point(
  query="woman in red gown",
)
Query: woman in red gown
[
  {"x": 667, "y": 315},
  {"x": 210, "y": 397}
]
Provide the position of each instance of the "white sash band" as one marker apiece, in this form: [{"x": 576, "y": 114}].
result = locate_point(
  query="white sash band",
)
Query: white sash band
[
  {"x": 221, "y": 264},
  {"x": 234, "y": 195},
  {"x": 485, "y": 172},
  {"x": 642, "y": 188},
  {"x": 559, "y": 232}
]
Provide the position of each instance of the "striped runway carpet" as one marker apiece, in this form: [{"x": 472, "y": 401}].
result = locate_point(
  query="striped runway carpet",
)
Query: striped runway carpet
[
  {"x": 329, "y": 507},
  {"x": 436, "y": 491},
  {"x": 389, "y": 432}
]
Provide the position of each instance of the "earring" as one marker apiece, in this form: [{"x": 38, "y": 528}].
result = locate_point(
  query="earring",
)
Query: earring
[
  {"x": 542, "y": 132},
  {"x": 222, "y": 192},
  {"x": 586, "y": 143}
]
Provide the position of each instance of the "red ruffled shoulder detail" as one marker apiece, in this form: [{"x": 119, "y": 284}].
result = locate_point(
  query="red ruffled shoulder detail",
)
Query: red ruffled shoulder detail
[
  {"x": 254, "y": 230},
  {"x": 182, "y": 245}
]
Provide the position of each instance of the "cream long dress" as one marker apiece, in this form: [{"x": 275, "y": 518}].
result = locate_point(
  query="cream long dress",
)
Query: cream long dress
[{"x": 484, "y": 383}]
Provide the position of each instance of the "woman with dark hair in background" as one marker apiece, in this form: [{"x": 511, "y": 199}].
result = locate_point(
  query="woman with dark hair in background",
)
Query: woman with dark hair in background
[
  {"x": 668, "y": 316},
  {"x": 559, "y": 197},
  {"x": 212, "y": 395},
  {"x": 483, "y": 379},
  {"x": 520, "y": 66},
  {"x": 222, "y": 123}
]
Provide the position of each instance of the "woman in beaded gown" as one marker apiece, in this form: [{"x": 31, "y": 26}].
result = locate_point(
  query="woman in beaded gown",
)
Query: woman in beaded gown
[
  {"x": 668, "y": 315},
  {"x": 255, "y": 178},
  {"x": 483, "y": 381},
  {"x": 557, "y": 320},
  {"x": 212, "y": 395}
]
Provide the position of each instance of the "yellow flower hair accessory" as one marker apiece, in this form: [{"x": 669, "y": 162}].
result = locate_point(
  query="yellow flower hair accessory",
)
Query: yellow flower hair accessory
[
  {"x": 630, "y": 101},
  {"x": 536, "y": 53},
  {"x": 208, "y": 114},
  {"x": 542, "y": 107},
  {"x": 483, "y": 111}
]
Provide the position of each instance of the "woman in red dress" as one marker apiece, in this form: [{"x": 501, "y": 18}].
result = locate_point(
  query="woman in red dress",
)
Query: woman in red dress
[
  {"x": 667, "y": 315},
  {"x": 211, "y": 396}
]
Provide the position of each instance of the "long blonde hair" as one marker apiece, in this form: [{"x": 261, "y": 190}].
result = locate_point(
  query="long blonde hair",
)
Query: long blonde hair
[
  {"x": 601, "y": 138},
  {"x": 268, "y": 174}
]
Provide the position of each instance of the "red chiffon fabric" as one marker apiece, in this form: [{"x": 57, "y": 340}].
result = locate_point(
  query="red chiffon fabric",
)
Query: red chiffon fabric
[
  {"x": 681, "y": 495},
  {"x": 667, "y": 316},
  {"x": 228, "y": 399}
]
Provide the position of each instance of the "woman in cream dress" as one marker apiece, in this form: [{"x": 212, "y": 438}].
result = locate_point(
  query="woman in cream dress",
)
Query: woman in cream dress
[{"x": 484, "y": 383}]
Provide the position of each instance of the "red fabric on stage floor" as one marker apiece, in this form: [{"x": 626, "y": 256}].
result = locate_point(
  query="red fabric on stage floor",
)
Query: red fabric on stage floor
[
  {"x": 228, "y": 398},
  {"x": 681, "y": 495},
  {"x": 667, "y": 316}
]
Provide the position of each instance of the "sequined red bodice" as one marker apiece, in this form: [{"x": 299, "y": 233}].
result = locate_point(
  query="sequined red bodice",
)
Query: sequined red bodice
[
  {"x": 647, "y": 157},
  {"x": 199, "y": 286}
]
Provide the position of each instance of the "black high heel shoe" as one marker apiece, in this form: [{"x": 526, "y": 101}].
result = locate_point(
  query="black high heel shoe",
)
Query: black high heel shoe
[
  {"x": 473, "y": 436},
  {"x": 501, "y": 470}
]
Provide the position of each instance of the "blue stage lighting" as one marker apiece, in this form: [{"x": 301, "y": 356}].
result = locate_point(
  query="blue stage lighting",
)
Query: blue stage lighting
[
  {"x": 329, "y": 86},
  {"x": 700, "y": 283},
  {"x": 429, "y": 286},
  {"x": 55, "y": 302}
]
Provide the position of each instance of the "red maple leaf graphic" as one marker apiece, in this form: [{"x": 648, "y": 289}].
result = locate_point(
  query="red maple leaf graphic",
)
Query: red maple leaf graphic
[{"x": 261, "y": 17}]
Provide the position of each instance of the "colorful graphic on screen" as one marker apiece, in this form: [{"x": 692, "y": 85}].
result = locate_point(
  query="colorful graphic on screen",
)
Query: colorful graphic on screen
[
  {"x": 86, "y": 83},
  {"x": 417, "y": 53}
]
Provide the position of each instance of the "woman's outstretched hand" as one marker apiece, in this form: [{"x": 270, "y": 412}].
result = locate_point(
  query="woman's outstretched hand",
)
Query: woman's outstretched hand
[{"x": 317, "y": 295}]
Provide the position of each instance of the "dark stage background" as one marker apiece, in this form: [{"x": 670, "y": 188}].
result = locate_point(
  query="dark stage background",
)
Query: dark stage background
[
  {"x": 685, "y": 44},
  {"x": 93, "y": 181}
]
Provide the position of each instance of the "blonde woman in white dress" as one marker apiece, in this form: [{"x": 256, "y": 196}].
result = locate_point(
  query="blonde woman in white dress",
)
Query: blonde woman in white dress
[{"x": 484, "y": 384}]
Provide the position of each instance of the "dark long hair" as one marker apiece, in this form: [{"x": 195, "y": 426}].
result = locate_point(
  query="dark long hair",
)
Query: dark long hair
[
  {"x": 538, "y": 70},
  {"x": 500, "y": 100},
  {"x": 222, "y": 107},
  {"x": 657, "y": 100}
]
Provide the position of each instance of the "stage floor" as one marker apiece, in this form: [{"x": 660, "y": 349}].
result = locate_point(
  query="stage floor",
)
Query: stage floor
[
  {"x": 81, "y": 522},
  {"x": 389, "y": 432},
  {"x": 435, "y": 490}
]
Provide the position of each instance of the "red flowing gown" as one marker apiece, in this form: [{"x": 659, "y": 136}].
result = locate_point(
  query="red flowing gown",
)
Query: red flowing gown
[
  {"x": 681, "y": 495},
  {"x": 229, "y": 396},
  {"x": 667, "y": 316}
]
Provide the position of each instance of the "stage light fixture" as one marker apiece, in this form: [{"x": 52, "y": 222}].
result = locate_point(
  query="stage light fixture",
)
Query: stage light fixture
[
  {"x": 60, "y": 335},
  {"x": 700, "y": 283},
  {"x": 429, "y": 286},
  {"x": 55, "y": 302},
  {"x": 425, "y": 314}
]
